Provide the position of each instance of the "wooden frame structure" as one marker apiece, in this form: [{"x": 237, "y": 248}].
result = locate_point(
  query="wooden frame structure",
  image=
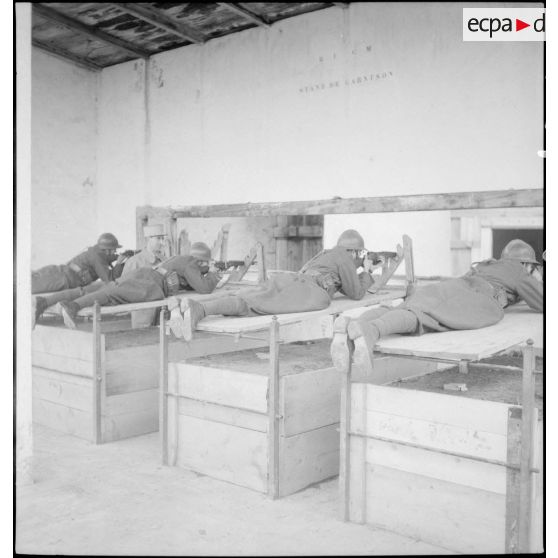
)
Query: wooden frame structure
[
  {"x": 361, "y": 400},
  {"x": 272, "y": 332}
]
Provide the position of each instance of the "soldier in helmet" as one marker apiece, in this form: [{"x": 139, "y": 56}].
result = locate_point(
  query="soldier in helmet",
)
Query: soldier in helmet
[
  {"x": 77, "y": 277},
  {"x": 473, "y": 301},
  {"x": 147, "y": 284},
  {"x": 94, "y": 262},
  {"x": 310, "y": 289}
]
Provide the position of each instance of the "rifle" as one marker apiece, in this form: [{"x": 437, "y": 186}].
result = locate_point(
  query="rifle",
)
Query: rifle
[
  {"x": 123, "y": 257},
  {"x": 380, "y": 257},
  {"x": 224, "y": 265}
]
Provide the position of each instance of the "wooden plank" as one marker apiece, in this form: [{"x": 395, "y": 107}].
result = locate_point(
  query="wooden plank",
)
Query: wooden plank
[
  {"x": 245, "y": 13},
  {"x": 528, "y": 420},
  {"x": 224, "y": 387},
  {"x": 475, "y": 344},
  {"x": 529, "y": 197},
  {"x": 469, "y": 414},
  {"x": 308, "y": 458},
  {"x": 99, "y": 384},
  {"x": 71, "y": 366},
  {"x": 432, "y": 464},
  {"x": 62, "y": 389},
  {"x": 310, "y": 400},
  {"x": 537, "y": 517},
  {"x": 62, "y": 341},
  {"x": 223, "y": 452},
  {"x": 273, "y": 411},
  {"x": 158, "y": 19},
  {"x": 63, "y": 419},
  {"x": 132, "y": 369},
  {"x": 88, "y": 31},
  {"x": 454, "y": 517},
  {"x": 126, "y": 425},
  {"x": 356, "y": 473},
  {"x": 512, "y": 480},
  {"x": 163, "y": 387},
  {"x": 386, "y": 369},
  {"x": 126, "y": 403},
  {"x": 226, "y": 415},
  {"x": 319, "y": 327},
  {"x": 65, "y": 55},
  {"x": 339, "y": 304},
  {"x": 469, "y": 441}
]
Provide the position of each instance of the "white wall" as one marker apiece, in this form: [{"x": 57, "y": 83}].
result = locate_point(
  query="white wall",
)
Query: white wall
[
  {"x": 252, "y": 116},
  {"x": 63, "y": 159}
]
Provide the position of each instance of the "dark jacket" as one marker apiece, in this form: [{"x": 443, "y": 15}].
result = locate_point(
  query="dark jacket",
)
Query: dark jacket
[
  {"x": 90, "y": 265},
  {"x": 190, "y": 274}
]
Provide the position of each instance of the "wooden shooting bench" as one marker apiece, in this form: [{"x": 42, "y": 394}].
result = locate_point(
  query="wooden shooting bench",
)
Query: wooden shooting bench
[
  {"x": 99, "y": 381},
  {"x": 264, "y": 419},
  {"x": 447, "y": 467}
]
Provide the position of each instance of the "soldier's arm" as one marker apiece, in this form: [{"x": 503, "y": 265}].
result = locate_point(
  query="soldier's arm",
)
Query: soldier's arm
[
  {"x": 102, "y": 269},
  {"x": 352, "y": 285},
  {"x": 531, "y": 291},
  {"x": 203, "y": 284}
]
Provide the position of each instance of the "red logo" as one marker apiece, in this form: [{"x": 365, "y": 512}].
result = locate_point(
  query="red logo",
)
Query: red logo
[{"x": 519, "y": 25}]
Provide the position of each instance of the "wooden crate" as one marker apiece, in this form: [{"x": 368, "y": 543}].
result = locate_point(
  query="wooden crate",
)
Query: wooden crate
[
  {"x": 219, "y": 414},
  {"x": 436, "y": 467},
  {"x": 101, "y": 383}
]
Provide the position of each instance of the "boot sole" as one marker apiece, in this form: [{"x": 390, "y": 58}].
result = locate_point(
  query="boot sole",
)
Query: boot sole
[
  {"x": 68, "y": 320},
  {"x": 187, "y": 332},
  {"x": 175, "y": 322}
]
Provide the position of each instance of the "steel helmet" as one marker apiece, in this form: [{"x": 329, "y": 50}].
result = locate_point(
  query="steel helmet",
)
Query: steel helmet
[
  {"x": 107, "y": 241},
  {"x": 351, "y": 240},
  {"x": 519, "y": 250},
  {"x": 200, "y": 251}
]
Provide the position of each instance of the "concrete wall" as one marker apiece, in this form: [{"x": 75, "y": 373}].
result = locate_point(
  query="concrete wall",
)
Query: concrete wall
[
  {"x": 63, "y": 159},
  {"x": 377, "y": 99}
]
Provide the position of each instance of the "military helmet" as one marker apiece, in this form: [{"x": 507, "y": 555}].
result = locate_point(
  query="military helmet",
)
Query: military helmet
[
  {"x": 200, "y": 251},
  {"x": 351, "y": 240},
  {"x": 519, "y": 250},
  {"x": 107, "y": 241}
]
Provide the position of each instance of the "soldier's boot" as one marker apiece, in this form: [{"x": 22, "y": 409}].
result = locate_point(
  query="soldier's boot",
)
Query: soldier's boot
[
  {"x": 196, "y": 311},
  {"x": 39, "y": 305},
  {"x": 175, "y": 321},
  {"x": 367, "y": 333},
  {"x": 69, "y": 312}
]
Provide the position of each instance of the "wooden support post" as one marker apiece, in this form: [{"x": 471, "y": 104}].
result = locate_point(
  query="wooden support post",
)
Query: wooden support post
[
  {"x": 260, "y": 257},
  {"x": 528, "y": 405},
  {"x": 342, "y": 350},
  {"x": 512, "y": 480},
  {"x": 98, "y": 383},
  {"x": 273, "y": 411},
  {"x": 163, "y": 386},
  {"x": 409, "y": 262}
]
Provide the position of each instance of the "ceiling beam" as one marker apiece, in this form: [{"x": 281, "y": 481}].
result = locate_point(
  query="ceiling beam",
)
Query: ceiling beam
[
  {"x": 246, "y": 14},
  {"x": 68, "y": 56},
  {"x": 159, "y": 19},
  {"x": 341, "y": 4},
  {"x": 87, "y": 30}
]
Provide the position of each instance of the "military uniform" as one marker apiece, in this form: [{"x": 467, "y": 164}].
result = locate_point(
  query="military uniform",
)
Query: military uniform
[
  {"x": 311, "y": 289},
  {"x": 86, "y": 267},
  {"x": 475, "y": 300},
  {"x": 145, "y": 258},
  {"x": 147, "y": 284}
]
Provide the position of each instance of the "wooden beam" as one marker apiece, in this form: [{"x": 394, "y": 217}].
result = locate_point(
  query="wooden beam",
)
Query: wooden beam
[
  {"x": 88, "y": 31},
  {"x": 384, "y": 204},
  {"x": 159, "y": 19},
  {"x": 341, "y": 4},
  {"x": 245, "y": 13},
  {"x": 67, "y": 56}
]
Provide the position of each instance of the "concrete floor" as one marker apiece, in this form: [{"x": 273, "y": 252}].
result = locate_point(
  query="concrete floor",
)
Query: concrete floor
[{"x": 118, "y": 499}]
